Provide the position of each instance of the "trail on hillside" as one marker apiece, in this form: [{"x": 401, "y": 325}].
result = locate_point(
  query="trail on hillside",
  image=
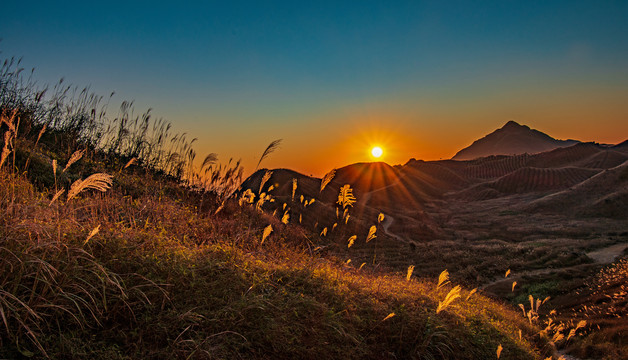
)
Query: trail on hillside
[
  {"x": 388, "y": 220},
  {"x": 601, "y": 256}
]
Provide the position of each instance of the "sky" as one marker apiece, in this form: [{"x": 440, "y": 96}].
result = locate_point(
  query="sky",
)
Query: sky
[{"x": 421, "y": 79}]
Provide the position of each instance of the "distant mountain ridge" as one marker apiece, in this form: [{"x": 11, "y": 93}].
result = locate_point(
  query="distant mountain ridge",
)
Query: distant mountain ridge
[
  {"x": 422, "y": 199},
  {"x": 512, "y": 139}
]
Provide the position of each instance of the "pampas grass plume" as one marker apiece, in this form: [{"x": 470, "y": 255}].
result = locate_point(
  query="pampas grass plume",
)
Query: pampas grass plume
[
  {"x": 451, "y": 296},
  {"x": 76, "y": 156},
  {"x": 327, "y": 179},
  {"x": 443, "y": 278},
  {"x": 351, "y": 240},
  {"x": 99, "y": 181},
  {"x": 371, "y": 234},
  {"x": 266, "y": 233}
]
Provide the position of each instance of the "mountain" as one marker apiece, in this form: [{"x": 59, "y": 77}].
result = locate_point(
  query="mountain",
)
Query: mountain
[
  {"x": 511, "y": 139},
  {"x": 513, "y": 170},
  {"x": 408, "y": 191}
]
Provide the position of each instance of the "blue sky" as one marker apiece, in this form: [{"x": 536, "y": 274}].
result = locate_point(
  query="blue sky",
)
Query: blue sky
[{"x": 332, "y": 77}]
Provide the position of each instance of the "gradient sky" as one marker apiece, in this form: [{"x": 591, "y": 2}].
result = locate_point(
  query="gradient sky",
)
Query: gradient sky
[{"x": 423, "y": 79}]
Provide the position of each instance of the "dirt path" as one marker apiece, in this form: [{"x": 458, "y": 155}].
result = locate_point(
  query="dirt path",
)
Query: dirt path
[
  {"x": 607, "y": 255},
  {"x": 601, "y": 256},
  {"x": 388, "y": 220}
]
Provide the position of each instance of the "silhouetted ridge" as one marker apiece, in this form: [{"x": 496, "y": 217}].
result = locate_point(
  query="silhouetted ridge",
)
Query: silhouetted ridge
[
  {"x": 623, "y": 146},
  {"x": 366, "y": 177},
  {"x": 511, "y": 139},
  {"x": 281, "y": 180},
  {"x": 511, "y": 124}
]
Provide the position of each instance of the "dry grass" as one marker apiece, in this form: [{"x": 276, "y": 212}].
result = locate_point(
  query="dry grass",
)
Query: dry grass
[
  {"x": 267, "y": 230},
  {"x": 152, "y": 270},
  {"x": 307, "y": 301},
  {"x": 443, "y": 278},
  {"x": 50, "y": 282},
  {"x": 76, "y": 156},
  {"x": 9, "y": 135},
  {"x": 100, "y": 182},
  {"x": 327, "y": 179},
  {"x": 602, "y": 304},
  {"x": 452, "y": 295},
  {"x": 345, "y": 197},
  {"x": 274, "y": 145},
  {"x": 371, "y": 235}
]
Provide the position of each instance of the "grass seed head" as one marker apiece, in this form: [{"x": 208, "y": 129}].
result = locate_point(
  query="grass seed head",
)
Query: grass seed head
[
  {"x": 327, "y": 179},
  {"x": 371, "y": 234},
  {"x": 76, "y": 156},
  {"x": 443, "y": 279},
  {"x": 451, "y": 296},
  {"x": 351, "y": 240},
  {"x": 99, "y": 181},
  {"x": 409, "y": 273},
  {"x": 267, "y": 230}
]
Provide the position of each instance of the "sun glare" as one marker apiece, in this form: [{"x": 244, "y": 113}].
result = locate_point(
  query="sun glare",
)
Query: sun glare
[{"x": 377, "y": 151}]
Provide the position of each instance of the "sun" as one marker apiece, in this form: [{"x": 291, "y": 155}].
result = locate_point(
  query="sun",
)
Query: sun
[{"x": 377, "y": 151}]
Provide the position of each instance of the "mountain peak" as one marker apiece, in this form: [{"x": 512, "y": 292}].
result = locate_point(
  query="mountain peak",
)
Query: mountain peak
[
  {"x": 511, "y": 139},
  {"x": 514, "y": 125}
]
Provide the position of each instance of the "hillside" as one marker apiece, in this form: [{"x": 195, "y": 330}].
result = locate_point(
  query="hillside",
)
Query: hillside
[
  {"x": 603, "y": 195},
  {"x": 116, "y": 246},
  {"x": 540, "y": 215},
  {"x": 511, "y": 139},
  {"x": 422, "y": 196},
  {"x": 114, "y": 276},
  {"x": 112, "y": 250}
]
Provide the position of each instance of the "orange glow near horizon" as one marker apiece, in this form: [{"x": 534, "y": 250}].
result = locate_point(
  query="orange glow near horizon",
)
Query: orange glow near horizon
[{"x": 345, "y": 135}]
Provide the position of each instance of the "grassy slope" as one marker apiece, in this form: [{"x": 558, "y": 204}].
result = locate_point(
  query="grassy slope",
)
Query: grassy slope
[
  {"x": 603, "y": 302},
  {"x": 164, "y": 278},
  {"x": 161, "y": 280}
]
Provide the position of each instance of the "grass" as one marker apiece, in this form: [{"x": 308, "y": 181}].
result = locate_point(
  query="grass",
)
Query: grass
[
  {"x": 602, "y": 302},
  {"x": 538, "y": 290},
  {"x": 159, "y": 279},
  {"x": 107, "y": 257}
]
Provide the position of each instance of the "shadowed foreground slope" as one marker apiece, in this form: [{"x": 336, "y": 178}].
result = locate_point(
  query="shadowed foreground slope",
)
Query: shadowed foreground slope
[{"x": 161, "y": 280}]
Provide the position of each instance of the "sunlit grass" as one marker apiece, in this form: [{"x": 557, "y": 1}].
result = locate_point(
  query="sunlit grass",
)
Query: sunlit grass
[
  {"x": 161, "y": 239},
  {"x": 164, "y": 260}
]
